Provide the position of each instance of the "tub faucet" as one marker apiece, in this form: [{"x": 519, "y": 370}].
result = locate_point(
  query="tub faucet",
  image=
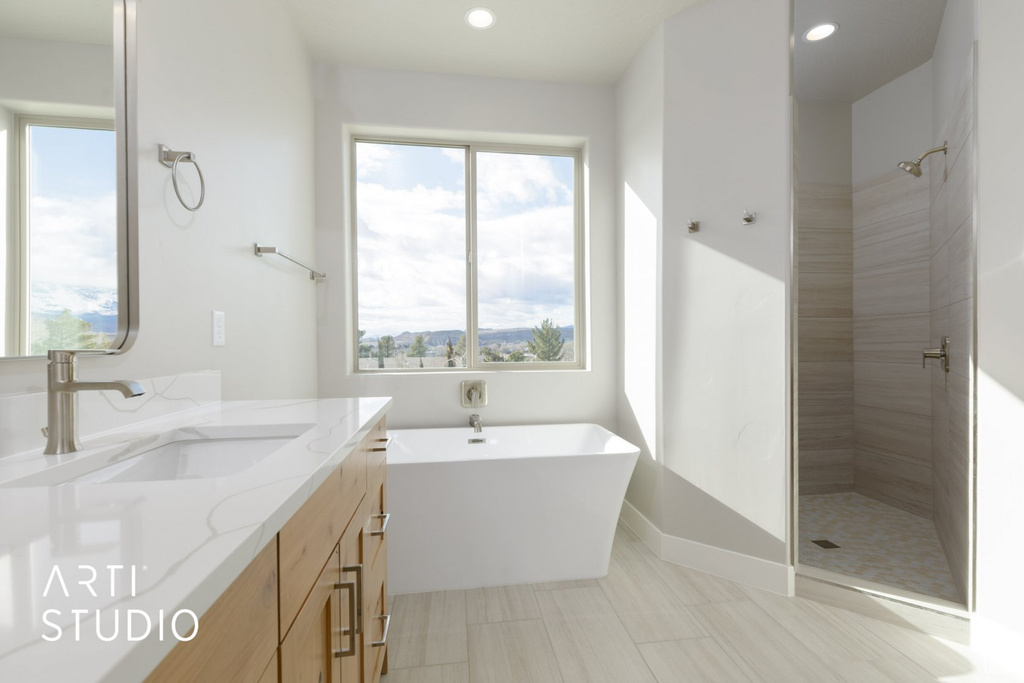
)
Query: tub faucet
[
  {"x": 62, "y": 387},
  {"x": 474, "y": 422}
]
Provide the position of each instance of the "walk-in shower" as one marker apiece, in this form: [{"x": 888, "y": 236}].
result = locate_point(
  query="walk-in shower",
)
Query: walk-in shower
[
  {"x": 914, "y": 167},
  {"x": 884, "y": 272}
]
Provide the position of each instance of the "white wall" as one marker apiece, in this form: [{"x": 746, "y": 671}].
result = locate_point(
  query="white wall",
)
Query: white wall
[
  {"x": 1000, "y": 467},
  {"x": 716, "y": 471},
  {"x": 893, "y": 124},
  {"x": 54, "y": 77},
  {"x": 825, "y": 143},
  {"x": 640, "y": 140},
  {"x": 231, "y": 81},
  {"x": 488, "y": 109},
  {"x": 726, "y": 288}
]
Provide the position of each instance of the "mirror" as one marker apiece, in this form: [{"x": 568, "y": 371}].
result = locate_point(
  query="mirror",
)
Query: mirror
[{"x": 66, "y": 263}]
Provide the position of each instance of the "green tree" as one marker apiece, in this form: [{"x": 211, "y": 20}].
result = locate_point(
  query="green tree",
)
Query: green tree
[
  {"x": 460, "y": 346},
  {"x": 449, "y": 354},
  {"x": 491, "y": 355},
  {"x": 418, "y": 349},
  {"x": 65, "y": 331},
  {"x": 365, "y": 350},
  {"x": 386, "y": 346},
  {"x": 547, "y": 342},
  {"x": 516, "y": 357}
]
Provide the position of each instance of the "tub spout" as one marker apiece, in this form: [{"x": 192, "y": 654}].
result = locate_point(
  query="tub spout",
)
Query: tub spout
[{"x": 474, "y": 422}]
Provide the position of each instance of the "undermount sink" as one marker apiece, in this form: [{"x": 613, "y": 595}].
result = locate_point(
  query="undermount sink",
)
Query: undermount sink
[{"x": 204, "y": 452}]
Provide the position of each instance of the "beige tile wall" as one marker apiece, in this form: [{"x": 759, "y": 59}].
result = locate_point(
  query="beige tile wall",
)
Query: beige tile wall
[
  {"x": 825, "y": 337},
  {"x": 951, "y": 272},
  {"x": 892, "y": 292}
]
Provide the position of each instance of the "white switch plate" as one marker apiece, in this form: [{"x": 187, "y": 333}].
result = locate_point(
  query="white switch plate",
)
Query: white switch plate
[{"x": 218, "y": 328}]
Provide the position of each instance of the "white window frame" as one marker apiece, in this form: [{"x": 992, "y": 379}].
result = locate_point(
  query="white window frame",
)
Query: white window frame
[
  {"x": 580, "y": 281},
  {"x": 19, "y": 241}
]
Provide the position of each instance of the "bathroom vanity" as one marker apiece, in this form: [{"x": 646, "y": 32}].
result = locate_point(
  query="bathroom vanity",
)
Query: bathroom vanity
[{"x": 283, "y": 561}]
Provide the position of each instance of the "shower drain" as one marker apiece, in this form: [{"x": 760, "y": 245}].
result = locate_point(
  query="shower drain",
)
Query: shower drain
[{"x": 825, "y": 543}]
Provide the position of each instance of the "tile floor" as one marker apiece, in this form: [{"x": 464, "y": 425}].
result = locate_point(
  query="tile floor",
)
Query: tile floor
[
  {"x": 652, "y": 621},
  {"x": 877, "y": 542}
]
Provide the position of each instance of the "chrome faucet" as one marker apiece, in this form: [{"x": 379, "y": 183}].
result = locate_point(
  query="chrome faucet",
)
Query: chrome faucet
[
  {"x": 474, "y": 422},
  {"x": 62, "y": 387}
]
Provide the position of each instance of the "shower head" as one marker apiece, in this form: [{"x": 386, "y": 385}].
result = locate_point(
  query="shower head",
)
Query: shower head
[{"x": 914, "y": 167}]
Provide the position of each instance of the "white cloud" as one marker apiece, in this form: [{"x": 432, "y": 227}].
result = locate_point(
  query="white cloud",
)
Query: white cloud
[
  {"x": 74, "y": 243},
  {"x": 372, "y": 157}
]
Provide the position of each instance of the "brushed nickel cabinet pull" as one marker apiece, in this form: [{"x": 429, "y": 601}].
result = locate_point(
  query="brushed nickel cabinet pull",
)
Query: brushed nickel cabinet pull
[
  {"x": 384, "y": 448},
  {"x": 350, "y": 586},
  {"x": 384, "y": 638},
  {"x": 383, "y": 527},
  {"x": 358, "y": 569}
]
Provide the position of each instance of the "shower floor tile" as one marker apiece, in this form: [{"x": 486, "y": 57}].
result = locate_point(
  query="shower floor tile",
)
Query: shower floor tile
[{"x": 877, "y": 542}]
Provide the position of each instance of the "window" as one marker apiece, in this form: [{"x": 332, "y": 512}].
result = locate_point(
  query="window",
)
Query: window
[
  {"x": 467, "y": 256},
  {"x": 65, "y": 280}
]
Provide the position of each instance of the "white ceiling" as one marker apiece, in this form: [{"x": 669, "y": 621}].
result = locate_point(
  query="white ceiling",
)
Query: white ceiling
[
  {"x": 878, "y": 40},
  {"x": 573, "y": 41},
  {"x": 79, "y": 21}
]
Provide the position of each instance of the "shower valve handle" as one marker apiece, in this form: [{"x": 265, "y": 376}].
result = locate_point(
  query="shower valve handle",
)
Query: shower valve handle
[{"x": 942, "y": 353}]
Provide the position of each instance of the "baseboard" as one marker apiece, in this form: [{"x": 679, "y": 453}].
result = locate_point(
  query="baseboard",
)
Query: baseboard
[{"x": 746, "y": 569}]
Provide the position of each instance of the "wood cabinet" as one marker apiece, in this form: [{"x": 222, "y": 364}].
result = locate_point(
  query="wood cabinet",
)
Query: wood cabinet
[{"x": 312, "y": 607}]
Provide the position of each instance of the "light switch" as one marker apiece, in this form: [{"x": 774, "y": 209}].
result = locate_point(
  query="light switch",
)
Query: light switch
[{"x": 218, "y": 328}]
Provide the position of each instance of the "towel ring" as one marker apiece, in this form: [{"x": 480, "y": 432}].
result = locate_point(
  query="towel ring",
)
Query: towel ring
[{"x": 171, "y": 158}]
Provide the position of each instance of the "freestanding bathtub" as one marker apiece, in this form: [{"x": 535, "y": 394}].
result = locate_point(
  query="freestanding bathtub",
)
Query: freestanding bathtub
[{"x": 508, "y": 505}]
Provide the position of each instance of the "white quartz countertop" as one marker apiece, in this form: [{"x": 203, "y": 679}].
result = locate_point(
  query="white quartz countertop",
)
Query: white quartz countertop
[{"x": 186, "y": 540}]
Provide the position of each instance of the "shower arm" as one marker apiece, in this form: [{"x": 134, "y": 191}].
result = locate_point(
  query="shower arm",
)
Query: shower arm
[{"x": 930, "y": 152}]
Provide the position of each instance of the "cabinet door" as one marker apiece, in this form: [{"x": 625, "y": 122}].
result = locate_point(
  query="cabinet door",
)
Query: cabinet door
[
  {"x": 352, "y": 615},
  {"x": 309, "y": 651},
  {"x": 375, "y": 599}
]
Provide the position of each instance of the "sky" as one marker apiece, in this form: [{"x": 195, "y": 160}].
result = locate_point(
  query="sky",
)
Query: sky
[
  {"x": 411, "y": 239},
  {"x": 73, "y": 209}
]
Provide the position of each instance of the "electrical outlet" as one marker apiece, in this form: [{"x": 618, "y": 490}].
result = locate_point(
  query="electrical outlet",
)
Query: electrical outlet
[{"x": 218, "y": 328}]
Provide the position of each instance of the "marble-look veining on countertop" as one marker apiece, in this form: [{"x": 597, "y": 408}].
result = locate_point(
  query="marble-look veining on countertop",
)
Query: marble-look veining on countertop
[
  {"x": 22, "y": 416},
  {"x": 187, "y": 539}
]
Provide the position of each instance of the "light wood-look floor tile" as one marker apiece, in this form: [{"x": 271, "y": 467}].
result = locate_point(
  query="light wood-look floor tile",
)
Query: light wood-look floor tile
[
  {"x": 940, "y": 658},
  {"x": 759, "y": 646},
  {"x": 441, "y": 673},
  {"x": 695, "y": 660},
  {"x": 692, "y": 587},
  {"x": 832, "y": 634},
  {"x": 643, "y": 602},
  {"x": 562, "y": 585},
  {"x": 512, "y": 652},
  {"x": 892, "y": 670},
  {"x": 590, "y": 642},
  {"x": 428, "y": 628},
  {"x": 502, "y": 603}
]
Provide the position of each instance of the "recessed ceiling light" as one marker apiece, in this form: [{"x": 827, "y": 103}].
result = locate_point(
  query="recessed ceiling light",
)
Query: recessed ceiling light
[
  {"x": 821, "y": 32},
  {"x": 480, "y": 17}
]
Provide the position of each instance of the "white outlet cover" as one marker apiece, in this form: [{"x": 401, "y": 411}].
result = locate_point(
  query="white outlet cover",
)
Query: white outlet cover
[{"x": 219, "y": 337}]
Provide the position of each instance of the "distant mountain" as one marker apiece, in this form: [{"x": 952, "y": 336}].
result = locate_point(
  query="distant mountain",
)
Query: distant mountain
[{"x": 513, "y": 335}]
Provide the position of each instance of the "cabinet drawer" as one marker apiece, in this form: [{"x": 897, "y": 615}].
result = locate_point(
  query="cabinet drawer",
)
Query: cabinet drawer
[
  {"x": 376, "y": 521},
  {"x": 308, "y": 651},
  {"x": 238, "y": 634},
  {"x": 376, "y": 446},
  {"x": 312, "y": 533},
  {"x": 377, "y": 634}
]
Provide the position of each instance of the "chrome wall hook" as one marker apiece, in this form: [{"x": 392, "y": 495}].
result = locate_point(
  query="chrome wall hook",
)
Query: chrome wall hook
[
  {"x": 749, "y": 218},
  {"x": 693, "y": 226}
]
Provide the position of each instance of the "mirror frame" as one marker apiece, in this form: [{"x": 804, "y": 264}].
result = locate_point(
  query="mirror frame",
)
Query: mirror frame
[{"x": 125, "y": 117}]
